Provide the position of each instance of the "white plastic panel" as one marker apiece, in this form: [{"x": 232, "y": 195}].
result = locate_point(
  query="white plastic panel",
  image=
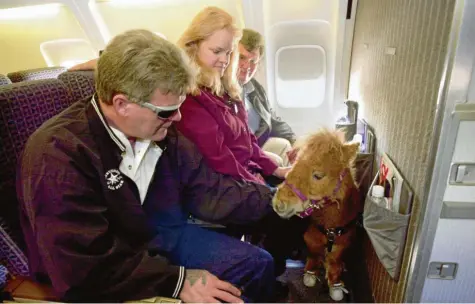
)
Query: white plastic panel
[
  {"x": 454, "y": 242},
  {"x": 471, "y": 88},
  {"x": 307, "y": 54},
  {"x": 299, "y": 10},
  {"x": 301, "y": 76},
  {"x": 307, "y": 100},
  {"x": 24, "y": 29},
  {"x": 464, "y": 152},
  {"x": 169, "y": 17},
  {"x": 465, "y": 148},
  {"x": 67, "y": 52}
]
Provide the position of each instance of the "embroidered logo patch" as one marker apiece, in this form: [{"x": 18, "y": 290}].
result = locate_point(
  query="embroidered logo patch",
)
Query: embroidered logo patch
[{"x": 114, "y": 179}]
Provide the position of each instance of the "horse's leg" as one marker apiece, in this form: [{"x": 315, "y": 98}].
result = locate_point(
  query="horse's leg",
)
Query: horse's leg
[
  {"x": 316, "y": 247},
  {"x": 313, "y": 263},
  {"x": 311, "y": 270},
  {"x": 334, "y": 267}
]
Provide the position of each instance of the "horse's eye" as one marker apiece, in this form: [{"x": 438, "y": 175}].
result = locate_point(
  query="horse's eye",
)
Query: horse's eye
[{"x": 318, "y": 175}]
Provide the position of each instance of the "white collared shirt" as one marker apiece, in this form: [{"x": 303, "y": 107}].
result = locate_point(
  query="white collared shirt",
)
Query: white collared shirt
[{"x": 139, "y": 163}]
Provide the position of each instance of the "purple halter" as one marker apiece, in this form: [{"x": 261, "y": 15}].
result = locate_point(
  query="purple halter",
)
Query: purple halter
[{"x": 316, "y": 204}]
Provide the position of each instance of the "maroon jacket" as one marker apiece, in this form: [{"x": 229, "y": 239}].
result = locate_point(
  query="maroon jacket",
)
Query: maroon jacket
[
  {"x": 223, "y": 136},
  {"x": 88, "y": 234}
]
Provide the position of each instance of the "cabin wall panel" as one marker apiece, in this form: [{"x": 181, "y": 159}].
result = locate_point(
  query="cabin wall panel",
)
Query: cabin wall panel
[
  {"x": 398, "y": 97},
  {"x": 170, "y": 18},
  {"x": 20, "y": 39}
]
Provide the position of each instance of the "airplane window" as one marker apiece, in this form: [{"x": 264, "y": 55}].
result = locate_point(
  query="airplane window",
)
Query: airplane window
[{"x": 300, "y": 76}]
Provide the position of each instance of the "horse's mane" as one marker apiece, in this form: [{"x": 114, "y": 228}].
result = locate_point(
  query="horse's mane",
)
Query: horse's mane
[{"x": 331, "y": 141}]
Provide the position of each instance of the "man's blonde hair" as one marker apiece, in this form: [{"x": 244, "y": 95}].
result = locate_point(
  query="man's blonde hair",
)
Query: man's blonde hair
[
  {"x": 138, "y": 62},
  {"x": 208, "y": 21},
  {"x": 252, "y": 40}
]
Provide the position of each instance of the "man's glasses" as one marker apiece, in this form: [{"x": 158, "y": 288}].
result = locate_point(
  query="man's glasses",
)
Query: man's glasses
[{"x": 161, "y": 112}]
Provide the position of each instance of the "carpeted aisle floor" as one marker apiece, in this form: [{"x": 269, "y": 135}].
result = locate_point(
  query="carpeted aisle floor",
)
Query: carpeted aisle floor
[{"x": 355, "y": 278}]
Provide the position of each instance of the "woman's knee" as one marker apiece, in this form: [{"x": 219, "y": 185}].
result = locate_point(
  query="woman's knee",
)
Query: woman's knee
[
  {"x": 276, "y": 158},
  {"x": 278, "y": 146}
]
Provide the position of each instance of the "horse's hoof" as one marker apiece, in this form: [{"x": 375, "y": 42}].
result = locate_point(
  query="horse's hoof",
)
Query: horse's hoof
[
  {"x": 309, "y": 279},
  {"x": 337, "y": 292}
]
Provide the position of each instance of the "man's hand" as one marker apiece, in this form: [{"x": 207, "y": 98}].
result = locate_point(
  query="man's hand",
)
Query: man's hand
[
  {"x": 202, "y": 287},
  {"x": 88, "y": 65},
  {"x": 281, "y": 172}
]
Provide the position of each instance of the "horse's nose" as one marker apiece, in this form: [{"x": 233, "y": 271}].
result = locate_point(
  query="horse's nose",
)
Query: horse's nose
[{"x": 280, "y": 206}]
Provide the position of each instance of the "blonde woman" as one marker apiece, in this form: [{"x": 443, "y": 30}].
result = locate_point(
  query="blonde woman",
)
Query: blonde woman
[{"x": 214, "y": 118}]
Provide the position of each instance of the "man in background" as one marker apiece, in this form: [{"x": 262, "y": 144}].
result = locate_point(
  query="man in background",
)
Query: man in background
[{"x": 273, "y": 135}]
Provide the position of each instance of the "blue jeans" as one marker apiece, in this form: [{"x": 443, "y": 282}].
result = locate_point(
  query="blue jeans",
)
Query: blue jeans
[{"x": 246, "y": 266}]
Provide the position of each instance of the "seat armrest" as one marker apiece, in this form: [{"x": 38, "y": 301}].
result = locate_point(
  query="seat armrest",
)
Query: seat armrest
[{"x": 25, "y": 290}]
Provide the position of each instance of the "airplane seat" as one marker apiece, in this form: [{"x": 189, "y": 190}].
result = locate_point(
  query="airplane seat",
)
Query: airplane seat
[
  {"x": 80, "y": 83},
  {"x": 4, "y": 80},
  {"x": 24, "y": 107},
  {"x": 36, "y": 74}
]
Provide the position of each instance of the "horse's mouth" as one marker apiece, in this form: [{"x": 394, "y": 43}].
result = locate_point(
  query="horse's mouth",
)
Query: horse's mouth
[{"x": 287, "y": 210}]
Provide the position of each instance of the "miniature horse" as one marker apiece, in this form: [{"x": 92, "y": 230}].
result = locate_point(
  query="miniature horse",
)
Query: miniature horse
[{"x": 321, "y": 186}]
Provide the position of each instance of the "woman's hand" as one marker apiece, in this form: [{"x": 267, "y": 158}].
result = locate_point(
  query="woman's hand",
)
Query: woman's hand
[
  {"x": 281, "y": 172},
  {"x": 292, "y": 155}
]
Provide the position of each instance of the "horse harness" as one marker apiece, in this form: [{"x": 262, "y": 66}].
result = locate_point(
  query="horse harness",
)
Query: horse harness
[{"x": 330, "y": 233}]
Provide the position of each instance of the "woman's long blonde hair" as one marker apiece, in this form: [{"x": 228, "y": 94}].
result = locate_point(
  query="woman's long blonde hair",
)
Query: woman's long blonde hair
[{"x": 208, "y": 21}]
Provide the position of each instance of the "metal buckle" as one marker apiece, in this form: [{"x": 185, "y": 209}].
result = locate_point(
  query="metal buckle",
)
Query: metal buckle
[{"x": 331, "y": 233}]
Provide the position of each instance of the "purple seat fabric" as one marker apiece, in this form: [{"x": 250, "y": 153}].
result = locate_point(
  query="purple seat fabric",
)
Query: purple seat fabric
[
  {"x": 24, "y": 107},
  {"x": 36, "y": 74},
  {"x": 80, "y": 83},
  {"x": 10, "y": 253},
  {"x": 3, "y": 276},
  {"x": 4, "y": 80}
]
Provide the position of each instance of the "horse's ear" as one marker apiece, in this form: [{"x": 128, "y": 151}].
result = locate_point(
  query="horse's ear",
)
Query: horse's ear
[{"x": 350, "y": 150}]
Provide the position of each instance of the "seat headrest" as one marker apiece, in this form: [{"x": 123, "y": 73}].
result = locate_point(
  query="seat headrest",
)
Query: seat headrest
[
  {"x": 80, "y": 83},
  {"x": 4, "y": 80},
  {"x": 36, "y": 74}
]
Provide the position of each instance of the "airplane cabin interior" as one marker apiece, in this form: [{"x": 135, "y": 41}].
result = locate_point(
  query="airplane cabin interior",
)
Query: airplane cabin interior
[{"x": 396, "y": 76}]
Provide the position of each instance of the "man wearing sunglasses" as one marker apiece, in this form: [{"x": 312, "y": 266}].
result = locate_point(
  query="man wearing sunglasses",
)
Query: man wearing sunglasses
[{"x": 105, "y": 188}]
